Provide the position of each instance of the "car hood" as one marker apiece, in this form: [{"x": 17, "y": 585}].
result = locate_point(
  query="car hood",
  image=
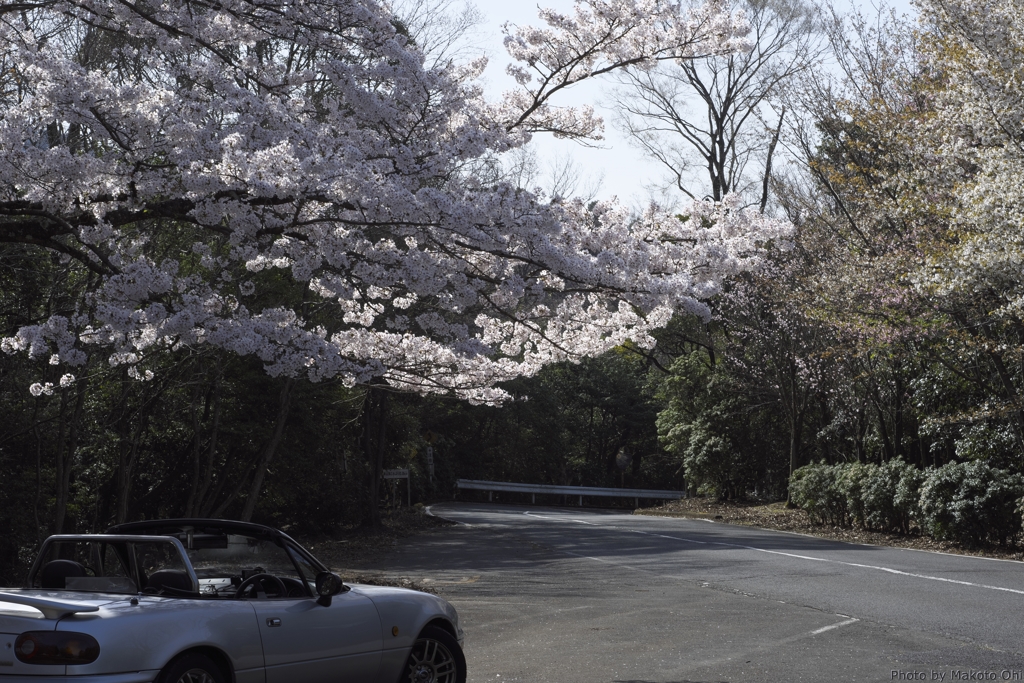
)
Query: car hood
[{"x": 369, "y": 589}]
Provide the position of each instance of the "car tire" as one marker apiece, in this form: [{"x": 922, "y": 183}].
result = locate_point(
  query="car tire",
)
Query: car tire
[
  {"x": 191, "y": 667},
  {"x": 435, "y": 658}
]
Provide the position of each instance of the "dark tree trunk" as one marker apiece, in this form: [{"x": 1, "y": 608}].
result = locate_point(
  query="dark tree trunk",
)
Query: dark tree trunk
[
  {"x": 767, "y": 178},
  {"x": 284, "y": 406},
  {"x": 375, "y": 422},
  {"x": 207, "y": 509},
  {"x": 795, "y": 415},
  {"x": 126, "y": 470},
  {"x": 883, "y": 430},
  {"x": 202, "y": 477},
  {"x": 39, "y": 474},
  {"x": 792, "y": 455},
  {"x": 66, "y": 451},
  {"x": 197, "y": 443}
]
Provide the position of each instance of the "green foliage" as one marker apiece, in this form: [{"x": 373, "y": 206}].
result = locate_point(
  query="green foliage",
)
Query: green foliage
[
  {"x": 816, "y": 489},
  {"x": 971, "y": 503},
  {"x": 710, "y": 460},
  {"x": 726, "y": 446},
  {"x": 994, "y": 444},
  {"x": 566, "y": 425},
  {"x": 850, "y": 482},
  {"x": 881, "y": 497},
  {"x": 891, "y": 496}
]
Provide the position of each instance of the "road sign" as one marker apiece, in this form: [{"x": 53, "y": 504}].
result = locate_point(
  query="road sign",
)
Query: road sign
[
  {"x": 401, "y": 473},
  {"x": 622, "y": 459}
]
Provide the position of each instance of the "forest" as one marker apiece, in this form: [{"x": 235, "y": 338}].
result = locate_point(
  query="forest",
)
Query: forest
[{"x": 243, "y": 272}]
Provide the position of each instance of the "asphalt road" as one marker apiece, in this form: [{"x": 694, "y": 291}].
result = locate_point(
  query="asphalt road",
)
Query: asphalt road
[{"x": 566, "y": 596}]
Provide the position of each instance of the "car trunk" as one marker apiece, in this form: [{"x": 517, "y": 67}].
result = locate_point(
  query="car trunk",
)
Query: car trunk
[{"x": 15, "y": 620}]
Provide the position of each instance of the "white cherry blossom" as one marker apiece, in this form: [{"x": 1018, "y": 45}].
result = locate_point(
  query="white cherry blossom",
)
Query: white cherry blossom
[{"x": 307, "y": 142}]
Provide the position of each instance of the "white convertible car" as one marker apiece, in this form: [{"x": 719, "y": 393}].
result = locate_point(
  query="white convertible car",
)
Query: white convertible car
[{"x": 215, "y": 601}]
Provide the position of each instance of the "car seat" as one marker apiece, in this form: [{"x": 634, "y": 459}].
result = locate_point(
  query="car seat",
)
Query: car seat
[{"x": 56, "y": 572}]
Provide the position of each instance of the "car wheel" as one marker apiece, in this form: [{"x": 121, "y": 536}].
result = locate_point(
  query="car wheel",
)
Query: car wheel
[
  {"x": 191, "y": 667},
  {"x": 435, "y": 658}
]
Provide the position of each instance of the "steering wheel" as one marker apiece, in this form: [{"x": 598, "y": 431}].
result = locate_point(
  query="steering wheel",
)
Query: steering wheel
[{"x": 257, "y": 581}]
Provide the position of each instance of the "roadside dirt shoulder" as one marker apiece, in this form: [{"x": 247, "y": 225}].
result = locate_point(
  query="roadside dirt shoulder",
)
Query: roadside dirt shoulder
[{"x": 351, "y": 550}]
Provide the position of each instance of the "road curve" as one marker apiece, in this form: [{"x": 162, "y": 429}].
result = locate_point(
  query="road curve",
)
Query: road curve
[{"x": 563, "y": 595}]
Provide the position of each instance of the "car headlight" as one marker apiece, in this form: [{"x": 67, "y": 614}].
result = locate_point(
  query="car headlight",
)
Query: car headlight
[{"x": 56, "y": 647}]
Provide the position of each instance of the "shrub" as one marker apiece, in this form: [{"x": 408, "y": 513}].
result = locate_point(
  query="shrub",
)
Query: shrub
[
  {"x": 878, "y": 497},
  {"x": 891, "y": 495},
  {"x": 908, "y": 494},
  {"x": 971, "y": 503},
  {"x": 711, "y": 461},
  {"x": 850, "y": 480},
  {"x": 814, "y": 488}
]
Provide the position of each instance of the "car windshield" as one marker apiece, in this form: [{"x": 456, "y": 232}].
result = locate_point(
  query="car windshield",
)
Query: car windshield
[{"x": 223, "y": 561}]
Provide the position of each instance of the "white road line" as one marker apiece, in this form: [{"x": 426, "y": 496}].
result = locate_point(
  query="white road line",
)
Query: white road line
[
  {"x": 840, "y": 624},
  {"x": 564, "y": 519},
  {"x": 889, "y": 570},
  {"x": 599, "y": 559}
]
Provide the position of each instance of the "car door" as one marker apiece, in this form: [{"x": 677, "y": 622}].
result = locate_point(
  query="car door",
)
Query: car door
[{"x": 309, "y": 642}]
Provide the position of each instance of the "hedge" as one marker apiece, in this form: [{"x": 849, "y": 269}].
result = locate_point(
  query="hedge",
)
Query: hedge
[{"x": 971, "y": 502}]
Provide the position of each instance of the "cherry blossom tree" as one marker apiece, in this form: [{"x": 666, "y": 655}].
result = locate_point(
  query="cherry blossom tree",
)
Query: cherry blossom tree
[
  {"x": 911, "y": 222},
  {"x": 198, "y": 158},
  {"x": 980, "y": 125}
]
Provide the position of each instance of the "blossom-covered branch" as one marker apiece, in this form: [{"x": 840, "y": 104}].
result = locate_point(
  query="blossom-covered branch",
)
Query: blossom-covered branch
[{"x": 283, "y": 180}]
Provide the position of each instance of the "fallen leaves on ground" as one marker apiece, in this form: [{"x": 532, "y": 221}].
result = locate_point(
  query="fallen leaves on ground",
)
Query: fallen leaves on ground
[{"x": 357, "y": 546}]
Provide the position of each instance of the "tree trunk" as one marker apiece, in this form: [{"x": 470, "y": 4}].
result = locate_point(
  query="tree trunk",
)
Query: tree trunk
[
  {"x": 201, "y": 484},
  {"x": 126, "y": 471},
  {"x": 284, "y": 405},
  {"x": 766, "y": 179},
  {"x": 792, "y": 456},
  {"x": 66, "y": 456},
  {"x": 883, "y": 430},
  {"x": 197, "y": 443},
  {"x": 795, "y": 416},
  {"x": 375, "y": 419},
  {"x": 207, "y": 506}
]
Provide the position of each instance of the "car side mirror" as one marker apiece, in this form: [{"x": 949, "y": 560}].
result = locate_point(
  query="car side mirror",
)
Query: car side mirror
[{"x": 328, "y": 584}]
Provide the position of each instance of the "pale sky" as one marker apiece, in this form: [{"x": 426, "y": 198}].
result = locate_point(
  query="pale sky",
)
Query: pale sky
[{"x": 623, "y": 170}]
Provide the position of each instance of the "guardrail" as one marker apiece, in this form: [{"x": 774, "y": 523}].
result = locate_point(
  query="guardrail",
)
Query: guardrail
[{"x": 636, "y": 494}]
